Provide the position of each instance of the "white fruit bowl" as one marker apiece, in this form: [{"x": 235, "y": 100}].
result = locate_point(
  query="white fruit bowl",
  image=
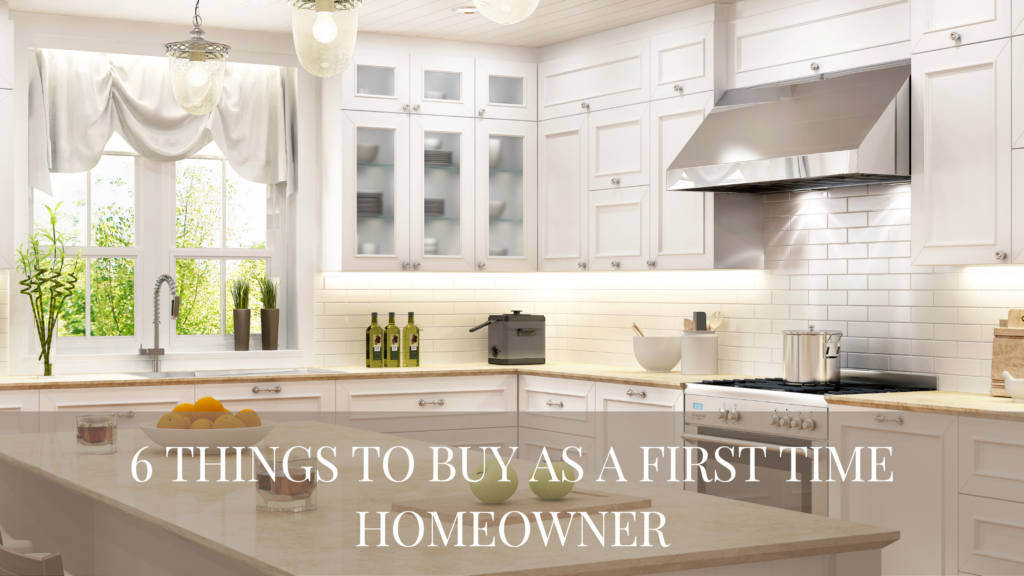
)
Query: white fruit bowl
[
  {"x": 657, "y": 353},
  {"x": 1014, "y": 387},
  {"x": 229, "y": 437}
]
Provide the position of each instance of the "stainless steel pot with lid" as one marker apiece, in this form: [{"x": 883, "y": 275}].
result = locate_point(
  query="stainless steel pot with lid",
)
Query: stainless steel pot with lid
[{"x": 811, "y": 356}]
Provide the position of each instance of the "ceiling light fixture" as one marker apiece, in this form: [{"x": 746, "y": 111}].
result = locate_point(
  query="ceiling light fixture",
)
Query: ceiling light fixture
[
  {"x": 506, "y": 12},
  {"x": 465, "y": 10},
  {"x": 325, "y": 34},
  {"x": 197, "y": 69}
]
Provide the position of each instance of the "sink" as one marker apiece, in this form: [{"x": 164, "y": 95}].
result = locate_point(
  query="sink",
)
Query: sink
[
  {"x": 164, "y": 374},
  {"x": 223, "y": 373}
]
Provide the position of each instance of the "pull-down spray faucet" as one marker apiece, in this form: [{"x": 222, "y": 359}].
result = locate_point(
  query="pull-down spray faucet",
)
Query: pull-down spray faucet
[{"x": 156, "y": 351}]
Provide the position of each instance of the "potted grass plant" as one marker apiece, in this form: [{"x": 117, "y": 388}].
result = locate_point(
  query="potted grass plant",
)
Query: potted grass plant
[
  {"x": 239, "y": 291},
  {"x": 50, "y": 277},
  {"x": 270, "y": 315}
]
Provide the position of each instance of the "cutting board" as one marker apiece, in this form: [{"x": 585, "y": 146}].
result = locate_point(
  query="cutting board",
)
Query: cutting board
[{"x": 589, "y": 501}]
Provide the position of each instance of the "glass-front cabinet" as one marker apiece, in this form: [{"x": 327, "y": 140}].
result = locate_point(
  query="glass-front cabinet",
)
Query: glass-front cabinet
[
  {"x": 442, "y": 85},
  {"x": 376, "y": 81},
  {"x": 506, "y": 196},
  {"x": 375, "y": 182},
  {"x": 441, "y": 193},
  {"x": 506, "y": 90}
]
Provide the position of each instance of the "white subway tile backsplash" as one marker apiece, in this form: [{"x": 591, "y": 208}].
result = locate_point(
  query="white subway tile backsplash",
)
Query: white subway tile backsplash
[
  {"x": 827, "y": 267},
  {"x": 875, "y": 234},
  {"x": 827, "y": 297},
  {"x": 889, "y": 218},
  {"x": 868, "y": 266},
  {"x": 868, "y": 298},
  {"x": 889, "y": 249},
  {"x": 847, "y": 220},
  {"x": 827, "y": 236},
  {"x": 847, "y": 251},
  {"x": 868, "y": 203},
  {"x": 852, "y": 282}
]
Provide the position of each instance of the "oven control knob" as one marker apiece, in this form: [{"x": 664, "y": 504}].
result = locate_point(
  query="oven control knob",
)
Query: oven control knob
[
  {"x": 795, "y": 423},
  {"x": 723, "y": 414},
  {"x": 734, "y": 415},
  {"x": 808, "y": 424},
  {"x": 784, "y": 422},
  {"x": 775, "y": 420}
]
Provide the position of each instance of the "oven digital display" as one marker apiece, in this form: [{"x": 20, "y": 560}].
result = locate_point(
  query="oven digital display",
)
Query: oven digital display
[{"x": 697, "y": 406}]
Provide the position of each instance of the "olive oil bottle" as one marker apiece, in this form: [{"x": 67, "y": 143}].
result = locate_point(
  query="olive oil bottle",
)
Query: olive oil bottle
[
  {"x": 411, "y": 343},
  {"x": 393, "y": 339},
  {"x": 374, "y": 343}
]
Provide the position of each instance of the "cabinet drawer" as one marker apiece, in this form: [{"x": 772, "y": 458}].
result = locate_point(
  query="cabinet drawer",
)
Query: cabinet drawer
[
  {"x": 474, "y": 438},
  {"x": 19, "y": 411},
  {"x": 992, "y": 459},
  {"x": 991, "y": 532},
  {"x": 532, "y": 441},
  {"x": 278, "y": 401},
  {"x": 557, "y": 404},
  {"x": 58, "y": 408},
  {"x": 598, "y": 80},
  {"x": 415, "y": 404}
]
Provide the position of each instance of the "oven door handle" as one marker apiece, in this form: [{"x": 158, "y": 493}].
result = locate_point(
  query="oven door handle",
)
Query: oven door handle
[{"x": 742, "y": 443}]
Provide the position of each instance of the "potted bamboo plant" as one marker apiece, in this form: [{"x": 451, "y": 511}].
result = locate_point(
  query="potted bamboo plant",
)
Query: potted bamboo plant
[
  {"x": 49, "y": 279},
  {"x": 270, "y": 315},
  {"x": 239, "y": 290}
]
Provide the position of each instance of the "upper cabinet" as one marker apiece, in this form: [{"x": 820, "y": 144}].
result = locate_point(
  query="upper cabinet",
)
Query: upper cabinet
[
  {"x": 961, "y": 155},
  {"x": 7, "y": 145},
  {"x": 938, "y": 24},
  {"x": 619, "y": 147},
  {"x": 683, "y": 61},
  {"x": 442, "y": 85},
  {"x": 562, "y": 196},
  {"x": 506, "y": 90},
  {"x": 815, "y": 38},
  {"x": 619, "y": 229},
  {"x": 506, "y": 196},
  {"x": 376, "y": 81},
  {"x": 615, "y": 76},
  {"x": 397, "y": 82}
]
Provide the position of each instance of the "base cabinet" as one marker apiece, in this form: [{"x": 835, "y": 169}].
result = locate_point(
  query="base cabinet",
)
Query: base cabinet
[
  {"x": 476, "y": 439},
  {"x": 633, "y": 416},
  {"x": 134, "y": 405},
  {"x": 19, "y": 411},
  {"x": 991, "y": 536},
  {"x": 278, "y": 401}
]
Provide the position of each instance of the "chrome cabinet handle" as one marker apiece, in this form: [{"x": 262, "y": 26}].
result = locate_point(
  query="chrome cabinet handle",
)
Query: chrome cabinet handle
[
  {"x": 416, "y": 108},
  {"x": 954, "y": 35},
  {"x": 642, "y": 393},
  {"x": 438, "y": 402},
  {"x": 405, "y": 107},
  {"x": 615, "y": 181},
  {"x": 883, "y": 419},
  {"x": 814, "y": 65},
  {"x": 1000, "y": 255},
  {"x": 615, "y": 263},
  {"x": 678, "y": 87},
  {"x": 652, "y": 263},
  {"x": 481, "y": 265},
  {"x": 481, "y": 112},
  {"x": 128, "y": 414},
  {"x": 257, "y": 389},
  {"x": 405, "y": 265},
  {"x": 416, "y": 265},
  {"x": 553, "y": 404},
  {"x": 585, "y": 105},
  {"x": 581, "y": 265}
]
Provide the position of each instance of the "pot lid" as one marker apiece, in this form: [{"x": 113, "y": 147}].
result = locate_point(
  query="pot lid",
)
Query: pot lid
[
  {"x": 810, "y": 331},
  {"x": 516, "y": 316}
]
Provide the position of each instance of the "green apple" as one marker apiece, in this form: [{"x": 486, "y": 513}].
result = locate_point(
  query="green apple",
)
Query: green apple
[
  {"x": 547, "y": 488},
  {"x": 490, "y": 489}
]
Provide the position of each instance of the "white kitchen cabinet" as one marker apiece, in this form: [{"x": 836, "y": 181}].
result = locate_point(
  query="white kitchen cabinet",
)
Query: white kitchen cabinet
[
  {"x": 991, "y": 533},
  {"x": 1017, "y": 80},
  {"x": 506, "y": 90},
  {"x": 375, "y": 191},
  {"x": 441, "y": 237},
  {"x": 619, "y": 147},
  {"x": 416, "y": 404},
  {"x": 938, "y": 24},
  {"x": 505, "y": 439},
  {"x": 277, "y": 401},
  {"x": 442, "y": 85},
  {"x": 960, "y": 155},
  {"x": 557, "y": 404},
  {"x": 506, "y": 196},
  {"x": 376, "y": 81},
  {"x": 7, "y": 117},
  {"x": 1017, "y": 17},
  {"x": 630, "y": 417},
  {"x": 597, "y": 80},
  {"x": 19, "y": 411},
  {"x": 683, "y": 61},
  {"x": 813, "y": 38},
  {"x": 6, "y": 55},
  {"x": 619, "y": 223},
  {"x": 581, "y": 448},
  {"x": 562, "y": 194},
  {"x": 920, "y": 502},
  {"x": 681, "y": 223},
  {"x": 134, "y": 404},
  {"x": 992, "y": 459}
]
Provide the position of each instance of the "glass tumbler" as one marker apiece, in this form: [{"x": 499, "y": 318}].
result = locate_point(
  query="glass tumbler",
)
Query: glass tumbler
[
  {"x": 290, "y": 488},
  {"x": 97, "y": 433}
]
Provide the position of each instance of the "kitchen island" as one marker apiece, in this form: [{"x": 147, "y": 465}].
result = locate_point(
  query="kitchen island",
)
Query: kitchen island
[{"x": 91, "y": 510}]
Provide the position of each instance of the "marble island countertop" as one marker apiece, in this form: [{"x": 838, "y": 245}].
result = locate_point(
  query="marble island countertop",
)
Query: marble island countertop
[
  {"x": 938, "y": 402},
  {"x": 703, "y": 531},
  {"x": 595, "y": 372}
]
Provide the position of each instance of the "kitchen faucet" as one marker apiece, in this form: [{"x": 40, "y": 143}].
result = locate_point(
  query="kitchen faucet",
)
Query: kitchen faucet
[{"x": 156, "y": 351}]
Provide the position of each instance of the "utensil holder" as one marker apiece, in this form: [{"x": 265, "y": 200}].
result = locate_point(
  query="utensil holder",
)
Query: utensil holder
[{"x": 699, "y": 353}]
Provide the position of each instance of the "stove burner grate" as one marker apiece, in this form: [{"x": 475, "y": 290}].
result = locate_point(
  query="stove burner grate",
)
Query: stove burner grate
[{"x": 780, "y": 385}]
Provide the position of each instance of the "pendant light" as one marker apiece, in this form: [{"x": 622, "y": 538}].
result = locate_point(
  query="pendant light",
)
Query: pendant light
[
  {"x": 197, "y": 69},
  {"x": 325, "y": 34},
  {"x": 506, "y": 12}
]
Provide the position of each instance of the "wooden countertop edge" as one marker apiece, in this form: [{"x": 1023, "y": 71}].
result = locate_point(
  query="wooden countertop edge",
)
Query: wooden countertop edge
[{"x": 918, "y": 406}]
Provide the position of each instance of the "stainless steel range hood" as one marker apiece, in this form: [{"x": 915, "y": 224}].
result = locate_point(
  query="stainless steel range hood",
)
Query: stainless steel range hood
[{"x": 848, "y": 129}]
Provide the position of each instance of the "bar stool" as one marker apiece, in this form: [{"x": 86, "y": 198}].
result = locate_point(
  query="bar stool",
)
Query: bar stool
[
  {"x": 36, "y": 564},
  {"x": 19, "y": 546}
]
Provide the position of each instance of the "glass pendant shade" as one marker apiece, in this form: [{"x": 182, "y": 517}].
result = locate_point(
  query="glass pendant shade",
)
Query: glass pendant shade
[
  {"x": 197, "y": 72},
  {"x": 506, "y": 12},
  {"x": 325, "y": 34}
]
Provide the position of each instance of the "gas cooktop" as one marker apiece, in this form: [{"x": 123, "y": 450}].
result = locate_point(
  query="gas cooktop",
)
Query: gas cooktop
[{"x": 851, "y": 382}]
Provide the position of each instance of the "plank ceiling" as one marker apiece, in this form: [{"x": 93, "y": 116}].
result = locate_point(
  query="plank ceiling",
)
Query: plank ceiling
[{"x": 554, "y": 21}]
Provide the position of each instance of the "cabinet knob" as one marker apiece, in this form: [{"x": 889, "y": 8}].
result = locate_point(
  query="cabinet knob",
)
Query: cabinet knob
[
  {"x": 257, "y": 389},
  {"x": 585, "y": 105},
  {"x": 814, "y": 65},
  {"x": 405, "y": 265},
  {"x": 405, "y": 107},
  {"x": 481, "y": 112},
  {"x": 582, "y": 264},
  {"x": 1000, "y": 255},
  {"x": 678, "y": 87},
  {"x": 615, "y": 181},
  {"x": 954, "y": 35},
  {"x": 615, "y": 263},
  {"x": 416, "y": 265},
  {"x": 652, "y": 263},
  {"x": 481, "y": 265},
  {"x": 416, "y": 108}
]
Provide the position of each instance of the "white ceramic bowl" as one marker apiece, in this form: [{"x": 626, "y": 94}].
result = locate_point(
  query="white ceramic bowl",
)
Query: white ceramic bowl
[
  {"x": 1014, "y": 387},
  {"x": 496, "y": 208},
  {"x": 657, "y": 353},
  {"x": 366, "y": 153},
  {"x": 230, "y": 437}
]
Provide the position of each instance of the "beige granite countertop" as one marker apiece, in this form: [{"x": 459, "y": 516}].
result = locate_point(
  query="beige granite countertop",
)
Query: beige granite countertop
[
  {"x": 702, "y": 530},
  {"x": 596, "y": 372},
  {"x": 938, "y": 402}
]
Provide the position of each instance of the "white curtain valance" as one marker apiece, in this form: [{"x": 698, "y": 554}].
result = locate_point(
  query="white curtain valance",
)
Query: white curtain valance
[{"x": 78, "y": 99}]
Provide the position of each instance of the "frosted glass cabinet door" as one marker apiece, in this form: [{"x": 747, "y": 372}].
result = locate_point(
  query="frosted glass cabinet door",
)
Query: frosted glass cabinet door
[
  {"x": 442, "y": 86},
  {"x": 506, "y": 196},
  {"x": 960, "y": 155},
  {"x": 619, "y": 147},
  {"x": 375, "y": 191},
  {"x": 937, "y": 24},
  {"x": 619, "y": 229},
  {"x": 442, "y": 183},
  {"x": 506, "y": 90},
  {"x": 562, "y": 194},
  {"x": 377, "y": 81}
]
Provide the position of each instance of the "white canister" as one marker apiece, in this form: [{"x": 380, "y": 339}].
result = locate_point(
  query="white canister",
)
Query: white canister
[{"x": 699, "y": 353}]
